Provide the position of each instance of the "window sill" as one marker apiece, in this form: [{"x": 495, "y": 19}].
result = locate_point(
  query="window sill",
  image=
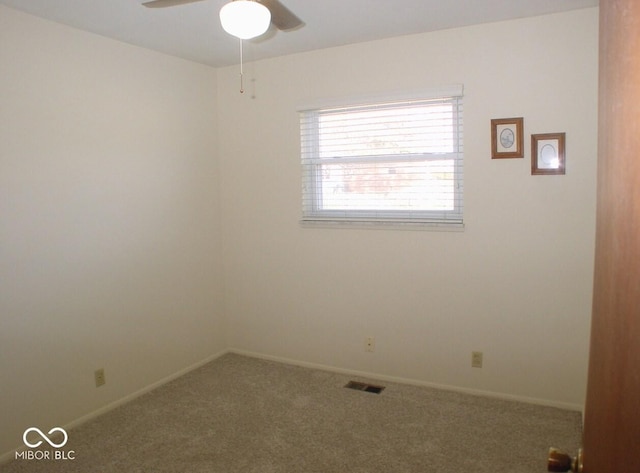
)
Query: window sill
[{"x": 383, "y": 225}]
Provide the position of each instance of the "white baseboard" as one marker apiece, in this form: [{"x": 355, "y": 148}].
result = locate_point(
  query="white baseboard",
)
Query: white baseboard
[
  {"x": 10, "y": 455},
  {"x": 414, "y": 382}
]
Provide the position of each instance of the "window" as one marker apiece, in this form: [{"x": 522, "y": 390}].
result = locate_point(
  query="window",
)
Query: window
[{"x": 391, "y": 161}]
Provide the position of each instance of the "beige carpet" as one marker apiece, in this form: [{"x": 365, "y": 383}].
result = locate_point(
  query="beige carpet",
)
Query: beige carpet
[{"x": 239, "y": 414}]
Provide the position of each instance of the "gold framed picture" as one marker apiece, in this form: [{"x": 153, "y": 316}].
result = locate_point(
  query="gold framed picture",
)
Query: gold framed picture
[
  {"x": 548, "y": 154},
  {"x": 507, "y": 137}
]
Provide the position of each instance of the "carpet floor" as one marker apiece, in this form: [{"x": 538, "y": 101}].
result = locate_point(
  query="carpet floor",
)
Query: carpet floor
[{"x": 241, "y": 414}]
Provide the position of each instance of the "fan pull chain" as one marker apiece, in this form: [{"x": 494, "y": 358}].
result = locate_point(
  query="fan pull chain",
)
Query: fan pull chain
[{"x": 241, "y": 71}]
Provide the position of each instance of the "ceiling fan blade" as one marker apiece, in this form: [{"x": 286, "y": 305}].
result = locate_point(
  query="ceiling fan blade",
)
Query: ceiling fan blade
[
  {"x": 167, "y": 3},
  {"x": 283, "y": 18}
]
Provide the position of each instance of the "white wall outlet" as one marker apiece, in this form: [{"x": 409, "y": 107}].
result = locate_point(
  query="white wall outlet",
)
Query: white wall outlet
[
  {"x": 476, "y": 359},
  {"x": 370, "y": 344},
  {"x": 99, "y": 377}
]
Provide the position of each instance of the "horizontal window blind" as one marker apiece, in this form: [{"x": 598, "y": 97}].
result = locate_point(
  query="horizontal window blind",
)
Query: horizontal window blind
[{"x": 398, "y": 161}]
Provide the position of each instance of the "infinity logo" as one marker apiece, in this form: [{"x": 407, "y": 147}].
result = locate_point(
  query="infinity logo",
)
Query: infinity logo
[{"x": 44, "y": 437}]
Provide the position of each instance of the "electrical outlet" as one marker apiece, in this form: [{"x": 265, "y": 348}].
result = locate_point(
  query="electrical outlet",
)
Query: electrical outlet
[
  {"x": 476, "y": 359},
  {"x": 370, "y": 344},
  {"x": 99, "y": 377}
]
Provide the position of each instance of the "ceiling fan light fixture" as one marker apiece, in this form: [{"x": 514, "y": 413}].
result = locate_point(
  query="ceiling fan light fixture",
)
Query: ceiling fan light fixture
[{"x": 245, "y": 19}]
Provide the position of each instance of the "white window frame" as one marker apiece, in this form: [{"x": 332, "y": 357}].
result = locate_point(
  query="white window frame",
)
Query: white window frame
[{"x": 313, "y": 211}]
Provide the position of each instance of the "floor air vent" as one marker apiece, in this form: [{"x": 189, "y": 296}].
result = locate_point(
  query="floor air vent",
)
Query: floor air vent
[{"x": 370, "y": 388}]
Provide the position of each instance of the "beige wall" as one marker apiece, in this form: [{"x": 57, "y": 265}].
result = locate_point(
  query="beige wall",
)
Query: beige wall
[
  {"x": 516, "y": 284},
  {"x": 109, "y": 225}
]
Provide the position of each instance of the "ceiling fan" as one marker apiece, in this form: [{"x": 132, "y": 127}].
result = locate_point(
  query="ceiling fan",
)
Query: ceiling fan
[
  {"x": 246, "y": 19},
  {"x": 281, "y": 17}
]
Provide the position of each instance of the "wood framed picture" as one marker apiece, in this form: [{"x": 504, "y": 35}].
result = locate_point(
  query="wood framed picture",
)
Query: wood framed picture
[
  {"x": 507, "y": 137},
  {"x": 548, "y": 154}
]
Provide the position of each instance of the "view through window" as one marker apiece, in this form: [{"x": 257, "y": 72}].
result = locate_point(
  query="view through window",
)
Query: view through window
[{"x": 398, "y": 161}]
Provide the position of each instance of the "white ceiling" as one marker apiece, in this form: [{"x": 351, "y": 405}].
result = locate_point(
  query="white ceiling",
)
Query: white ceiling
[{"x": 193, "y": 31}]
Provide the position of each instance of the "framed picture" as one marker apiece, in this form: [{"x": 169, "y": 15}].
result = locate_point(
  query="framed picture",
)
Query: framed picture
[
  {"x": 507, "y": 136},
  {"x": 548, "y": 154}
]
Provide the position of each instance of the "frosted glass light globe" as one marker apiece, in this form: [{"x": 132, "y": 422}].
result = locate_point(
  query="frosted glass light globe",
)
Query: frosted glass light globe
[{"x": 245, "y": 19}]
